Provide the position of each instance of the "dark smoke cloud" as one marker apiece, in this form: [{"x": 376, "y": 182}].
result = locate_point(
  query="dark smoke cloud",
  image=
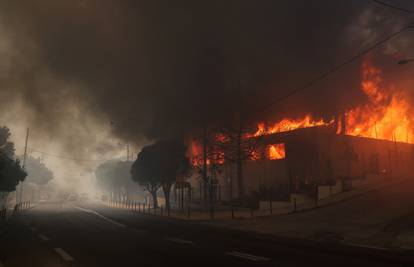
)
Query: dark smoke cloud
[{"x": 149, "y": 68}]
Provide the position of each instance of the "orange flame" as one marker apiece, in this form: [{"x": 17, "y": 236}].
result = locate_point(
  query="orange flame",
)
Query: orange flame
[
  {"x": 386, "y": 115},
  {"x": 214, "y": 155},
  {"x": 288, "y": 125},
  {"x": 276, "y": 151}
]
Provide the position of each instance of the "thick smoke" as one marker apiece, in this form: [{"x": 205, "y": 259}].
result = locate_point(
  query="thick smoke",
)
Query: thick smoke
[{"x": 148, "y": 69}]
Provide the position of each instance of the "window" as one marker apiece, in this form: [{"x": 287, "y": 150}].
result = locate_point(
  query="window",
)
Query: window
[{"x": 276, "y": 151}]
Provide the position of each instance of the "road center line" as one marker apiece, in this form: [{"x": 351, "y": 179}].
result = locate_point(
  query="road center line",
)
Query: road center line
[
  {"x": 180, "y": 241},
  {"x": 64, "y": 254},
  {"x": 365, "y": 246},
  {"x": 102, "y": 217},
  {"x": 247, "y": 256},
  {"x": 43, "y": 237}
]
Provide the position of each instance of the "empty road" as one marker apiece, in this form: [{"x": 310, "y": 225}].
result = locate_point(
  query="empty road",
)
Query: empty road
[{"x": 72, "y": 234}]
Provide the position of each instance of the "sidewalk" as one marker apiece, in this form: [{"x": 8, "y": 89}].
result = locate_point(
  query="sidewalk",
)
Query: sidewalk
[
  {"x": 381, "y": 216},
  {"x": 368, "y": 216},
  {"x": 224, "y": 213}
]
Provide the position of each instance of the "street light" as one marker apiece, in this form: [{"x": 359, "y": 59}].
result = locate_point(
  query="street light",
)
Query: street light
[{"x": 113, "y": 124}]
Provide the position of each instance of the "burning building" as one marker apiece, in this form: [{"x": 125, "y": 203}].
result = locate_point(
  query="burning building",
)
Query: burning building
[{"x": 298, "y": 155}]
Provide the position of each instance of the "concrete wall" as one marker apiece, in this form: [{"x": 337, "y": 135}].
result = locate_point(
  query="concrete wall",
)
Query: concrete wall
[
  {"x": 265, "y": 174},
  {"x": 265, "y": 205},
  {"x": 325, "y": 191},
  {"x": 392, "y": 158},
  {"x": 301, "y": 198}
]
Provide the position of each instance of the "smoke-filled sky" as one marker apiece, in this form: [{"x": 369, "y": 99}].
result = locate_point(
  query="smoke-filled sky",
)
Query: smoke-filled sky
[{"x": 88, "y": 76}]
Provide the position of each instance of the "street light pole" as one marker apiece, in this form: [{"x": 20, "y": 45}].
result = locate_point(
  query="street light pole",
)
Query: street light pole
[
  {"x": 23, "y": 164},
  {"x": 128, "y": 156}
]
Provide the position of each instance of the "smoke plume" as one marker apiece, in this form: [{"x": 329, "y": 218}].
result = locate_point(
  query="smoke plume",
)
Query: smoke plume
[{"x": 89, "y": 74}]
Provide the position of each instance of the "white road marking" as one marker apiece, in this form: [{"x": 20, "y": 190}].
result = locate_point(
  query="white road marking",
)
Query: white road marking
[
  {"x": 365, "y": 246},
  {"x": 64, "y": 254},
  {"x": 43, "y": 237},
  {"x": 179, "y": 241},
  {"x": 247, "y": 256},
  {"x": 102, "y": 217}
]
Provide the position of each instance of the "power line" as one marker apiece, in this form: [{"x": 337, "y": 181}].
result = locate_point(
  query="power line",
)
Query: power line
[
  {"x": 393, "y": 7},
  {"x": 336, "y": 68},
  {"x": 66, "y": 157}
]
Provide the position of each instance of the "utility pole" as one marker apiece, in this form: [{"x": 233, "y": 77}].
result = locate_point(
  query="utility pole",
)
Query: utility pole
[
  {"x": 24, "y": 163},
  {"x": 204, "y": 170}
]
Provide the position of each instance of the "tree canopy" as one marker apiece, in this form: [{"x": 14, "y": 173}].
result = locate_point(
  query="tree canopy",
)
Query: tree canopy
[
  {"x": 11, "y": 172},
  {"x": 146, "y": 172},
  {"x": 37, "y": 172},
  {"x": 6, "y": 147},
  {"x": 159, "y": 165}
]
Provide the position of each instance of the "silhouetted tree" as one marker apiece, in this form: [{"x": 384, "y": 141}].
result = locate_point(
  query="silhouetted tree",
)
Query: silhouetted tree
[
  {"x": 211, "y": 73},
  {"x": 237, "y": 143},
  {"x": 11, "y": 172},
  {"x": 237, "y": 147},
  {"x": 173, "y": 164},
  {"x": 209, "y": 161},
  {"x": 159, "y": 165},
  {"x": 146, "y": 171},
  {"x": 115, "y": 177},
  {"x": 226, "y": 140},
  {"x": 6, "y": 147}
]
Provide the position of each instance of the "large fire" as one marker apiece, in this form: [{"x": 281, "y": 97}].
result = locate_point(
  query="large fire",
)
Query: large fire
[
  {"x": 288, "y": 125},
  {"x": 214, "y": 154},
  {"x": 385, "y": 116}
]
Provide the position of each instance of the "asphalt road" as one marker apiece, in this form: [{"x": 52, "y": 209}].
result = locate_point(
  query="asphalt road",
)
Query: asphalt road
[{"x": 71, "y": 234}]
